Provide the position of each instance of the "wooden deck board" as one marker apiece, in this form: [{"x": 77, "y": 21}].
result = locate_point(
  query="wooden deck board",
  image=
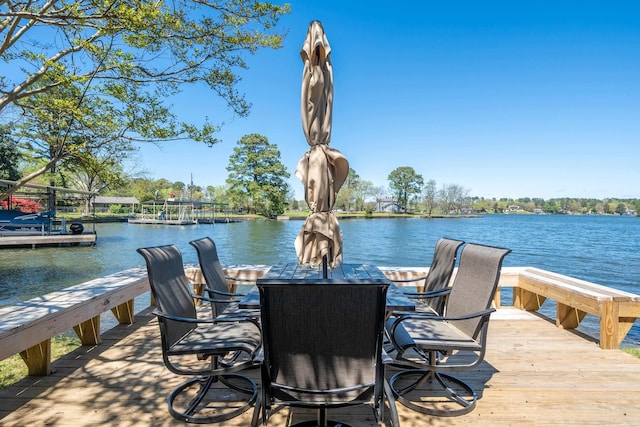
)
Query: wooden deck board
[{"x": 534, "y": 375}]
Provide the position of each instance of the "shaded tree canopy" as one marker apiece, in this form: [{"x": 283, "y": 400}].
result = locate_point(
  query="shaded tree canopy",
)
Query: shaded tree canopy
[
  {"x": 9, "y": 155},
  {"x": 88, "y": 73}
]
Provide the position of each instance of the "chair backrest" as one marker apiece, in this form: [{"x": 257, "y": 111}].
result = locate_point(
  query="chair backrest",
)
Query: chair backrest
[
  {"x": 475, "y": 284},
  {"x": 170, "y": 288},
  {"x": 442, "y": 265},
  {"x": 212, "y": 271},
  {"x": 322, "y": 336}
]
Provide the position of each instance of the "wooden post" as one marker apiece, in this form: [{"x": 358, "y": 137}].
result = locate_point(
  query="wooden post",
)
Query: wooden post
[
  {"x": 38, "y": 358},
  {"x": 568, "y": 317},
  {"x": 124, "y": 312},
  {"x": 609, "y": 332},
  {"x": 526, "y": 300},
  {"x": 89, "y": 331}
]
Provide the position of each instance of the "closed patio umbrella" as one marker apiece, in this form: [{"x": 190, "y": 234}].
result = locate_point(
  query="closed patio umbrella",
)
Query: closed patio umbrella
[{"x": 322, "y": 169}]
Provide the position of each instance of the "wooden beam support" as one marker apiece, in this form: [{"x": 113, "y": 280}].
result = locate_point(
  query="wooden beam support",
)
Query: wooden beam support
[
  {"x": 527, "y": 300},
  {"x": 38, "y": 358},
  {"x": 568, "y": 317},
  {"x": 89, "y": 331},
  {"x": 124, "y": 312}
]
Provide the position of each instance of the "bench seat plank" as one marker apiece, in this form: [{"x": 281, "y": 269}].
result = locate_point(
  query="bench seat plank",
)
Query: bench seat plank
[
  {"x": 616, "y": 309},
  {"x": 29, "y": 323}
]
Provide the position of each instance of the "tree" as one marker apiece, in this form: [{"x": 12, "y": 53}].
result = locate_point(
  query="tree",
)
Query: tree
[
  {"x": 621, "y": 209},
  {"x": 124, "y": 61},
  {"x": 378, "y": 193},
  {"x": 430, "y": 196},
  {"x": 94, "y": 174},
  {"x": 348, "y": 193},
  {"x": 405, "y": 182},
  {"x": 453, "y": 198},
  {"x": 365, "y": 190},
  {"x": 9, "y": 155},
  {"x": 257, "y": 177}
]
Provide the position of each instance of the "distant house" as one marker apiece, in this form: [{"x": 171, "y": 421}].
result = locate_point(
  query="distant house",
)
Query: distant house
[
  {"x": 389, "y": 205},
  {"x": 103, "y": 203}
]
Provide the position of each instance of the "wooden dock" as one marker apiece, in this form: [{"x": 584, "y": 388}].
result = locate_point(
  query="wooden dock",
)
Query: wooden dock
[
  {"x": 534, "y": 374},
  {"x": 150, "y": 221},
  {"x": 34, "y": 241}
]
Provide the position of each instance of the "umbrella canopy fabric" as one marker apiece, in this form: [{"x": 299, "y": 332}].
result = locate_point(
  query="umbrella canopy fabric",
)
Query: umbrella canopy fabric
[{"x": 322, "y": 169}]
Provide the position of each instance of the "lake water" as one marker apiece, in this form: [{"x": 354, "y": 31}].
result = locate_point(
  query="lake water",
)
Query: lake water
[{"x": 600, "y": 249}]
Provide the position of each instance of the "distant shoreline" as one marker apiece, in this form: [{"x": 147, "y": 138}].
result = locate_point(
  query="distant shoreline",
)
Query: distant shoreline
[{"x": 298, "y": 217}]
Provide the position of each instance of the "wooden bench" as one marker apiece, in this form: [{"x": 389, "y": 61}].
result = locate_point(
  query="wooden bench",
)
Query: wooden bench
[
  {"x": 617, "y": 310},
  {"x": 27, "y": 327},
  {"x": 575, "y": 298}
]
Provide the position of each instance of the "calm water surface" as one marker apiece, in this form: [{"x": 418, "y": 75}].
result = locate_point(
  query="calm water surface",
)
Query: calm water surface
[{"x": 601, "y": 249}]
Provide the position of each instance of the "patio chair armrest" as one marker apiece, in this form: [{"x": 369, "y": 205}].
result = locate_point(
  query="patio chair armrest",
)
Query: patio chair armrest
[
  {"x": 175, "y": 318},
  {"x": 258, "y": 358},
  {"x": 413, "y": 315},
  {"x": 415, "y": 279},
  {"x": 225, "y": 293},
  {"x": 207, "y": 299},
  {"x": 224, "y": 319},
  {"x": 482, "y": 313},
  {"x": 429, "y": 294}
]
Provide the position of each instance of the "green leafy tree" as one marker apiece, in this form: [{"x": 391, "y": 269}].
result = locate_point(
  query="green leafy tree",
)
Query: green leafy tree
[
  {"x": 116, "y": 66},
  {"x": 404, "y": 181},
  {"x": 621, "y": 209},
  {"x": 93, "y": 173},
  {"x": 257, "y": 177},
  {"x": 9, "y": 155},
  {"x": 347, "y": 196},
  {"x": 430, "y": 196},
  {"x": 146, "y": 190},
  {"x": 364, "y": 191}
]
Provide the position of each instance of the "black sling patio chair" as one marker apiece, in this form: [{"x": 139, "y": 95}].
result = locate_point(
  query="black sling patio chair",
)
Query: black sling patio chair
[
  {"x": 428, "y": 345},
  {"x": 221, "y": 347},
  {"x": 222, "y": 300},
  {"x": 322, "y": 347},
  {"x": 436, "y": 282}
]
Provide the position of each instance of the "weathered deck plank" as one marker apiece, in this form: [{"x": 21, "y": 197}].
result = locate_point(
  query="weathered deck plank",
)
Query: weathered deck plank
[{"x": 534, "y": 374}]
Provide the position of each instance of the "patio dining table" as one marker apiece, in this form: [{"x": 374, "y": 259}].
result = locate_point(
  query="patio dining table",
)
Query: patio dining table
[{"x": 396, "y": 299}]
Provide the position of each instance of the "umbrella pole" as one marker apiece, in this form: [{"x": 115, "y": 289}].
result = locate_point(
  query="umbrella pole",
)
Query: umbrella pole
[
  {"x": 324, "y": 267},
  {"x": 325, "y": 262}
]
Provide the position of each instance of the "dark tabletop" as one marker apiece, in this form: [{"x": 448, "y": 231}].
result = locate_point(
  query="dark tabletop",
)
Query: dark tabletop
[{"x": 396, "y": 300}]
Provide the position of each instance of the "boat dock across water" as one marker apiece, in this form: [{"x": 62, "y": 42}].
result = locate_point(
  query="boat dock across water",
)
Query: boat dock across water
[
  {"x": 13, "y": 241},
  {"x": 179, "y": 212},
  {"x": 28, "y": 216}
]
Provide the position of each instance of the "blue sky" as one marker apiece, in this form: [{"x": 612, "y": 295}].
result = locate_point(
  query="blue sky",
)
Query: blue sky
[{"x": 505, "y": 98}]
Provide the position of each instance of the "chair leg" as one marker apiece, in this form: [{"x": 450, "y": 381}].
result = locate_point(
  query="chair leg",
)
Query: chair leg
[
  {"x": 455, "y": 390},
  {"x": 257, "y": 411},
  {"x": 393, "y": 410},
  {"x": 239, "y": 383}
]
